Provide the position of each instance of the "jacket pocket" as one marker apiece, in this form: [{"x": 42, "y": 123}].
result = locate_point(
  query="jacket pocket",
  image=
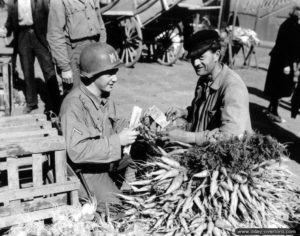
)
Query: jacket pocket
[{"x": 73, "y": 7}]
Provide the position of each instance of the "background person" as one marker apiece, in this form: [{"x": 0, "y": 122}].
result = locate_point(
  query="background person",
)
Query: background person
[
  {"x": 72, "y": 25},
  {"x": 220, "y": 107},
  {"x": 279, "y": 81},
  {"x": 27, "y": 20},
  {"x": 94, "y": 135}
]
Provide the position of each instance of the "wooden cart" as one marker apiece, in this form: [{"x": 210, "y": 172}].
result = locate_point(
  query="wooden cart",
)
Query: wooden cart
[{"x": 140, "y": 24}]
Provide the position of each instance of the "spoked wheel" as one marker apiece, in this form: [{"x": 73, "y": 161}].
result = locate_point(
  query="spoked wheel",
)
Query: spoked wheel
[
  {"x": 169, "y": 45},
  {"x": 132, "y": 40}
]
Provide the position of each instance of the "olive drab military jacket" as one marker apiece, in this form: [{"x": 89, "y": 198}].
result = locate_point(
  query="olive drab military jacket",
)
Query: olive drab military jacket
[
  {"x": 90, "y": 127},
  {"x": 70, "y": 21}
]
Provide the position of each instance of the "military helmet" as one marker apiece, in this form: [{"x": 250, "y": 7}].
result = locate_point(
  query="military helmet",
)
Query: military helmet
[{"x": 96, "y": 58}]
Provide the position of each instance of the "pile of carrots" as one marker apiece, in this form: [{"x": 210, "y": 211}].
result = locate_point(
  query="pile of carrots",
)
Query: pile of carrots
[{"x": 170, "y": 198}]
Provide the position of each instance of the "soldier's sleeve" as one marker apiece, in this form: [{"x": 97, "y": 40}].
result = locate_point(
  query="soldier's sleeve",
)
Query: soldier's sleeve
[
  {"x": 56, "y": 35},
  {"x": 82, "y": 145}
]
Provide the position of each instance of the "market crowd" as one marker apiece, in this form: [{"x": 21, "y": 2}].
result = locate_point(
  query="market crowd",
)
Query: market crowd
[{"x": 68, "y": 38}]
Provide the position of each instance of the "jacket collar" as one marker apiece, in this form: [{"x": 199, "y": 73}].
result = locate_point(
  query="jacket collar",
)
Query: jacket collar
[
  {"x": 99, "y": 103},
  {"x": 216, "y": 83}
]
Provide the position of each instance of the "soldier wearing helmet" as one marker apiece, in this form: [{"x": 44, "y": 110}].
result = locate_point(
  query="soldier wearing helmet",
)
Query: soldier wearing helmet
[{"x": 93, "y": 133}]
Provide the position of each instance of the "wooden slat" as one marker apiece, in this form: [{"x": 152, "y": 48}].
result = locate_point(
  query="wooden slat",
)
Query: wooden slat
[
  {"x": 32, "y": 146},
  {"x": 23, "y": 118},
  {"x": 37, "y": 170},
  {"x": 13, "y": 182},
  {"x": 68, "y": 186},
  {"x": 21, "y": 126},
  {"x": 30, "y": 127},
  {"x": 20, "y": 162},
  {"x": 12, "y": 173},
  {"x": 28, "y": 134},
  {"x": 60, "y": 166},
  {"x": 31, "y": 216},
  {"x": 35, "y": 205}
]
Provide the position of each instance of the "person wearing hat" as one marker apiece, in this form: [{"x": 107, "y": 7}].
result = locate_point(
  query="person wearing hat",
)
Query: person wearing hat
[
  {"x": 220, "y": 108},
  {"x": 93, "y": 133}
]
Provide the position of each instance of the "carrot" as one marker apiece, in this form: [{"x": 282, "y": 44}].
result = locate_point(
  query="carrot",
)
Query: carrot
[
  {"x": 126, "y": 197},
  {"x": 170, "y": 174},
  {"x": 202, "y": 174},
  {"x": 243, "y": 210},
  {"x": 158, "y": 222},
  {"x": 170, "y": 162},
  {"x": 200, "y": 229},
  {"x": 141, "y": 182},
  {"x": 229, "y": 182},
  {"x": 130, "y": 212},
  {"x": 216, "y": 231},
  {"x": 245, "y": 191},
  {"x": 188, "y": 204},
  {"x": 184, "y": 224},
  {"x": 210, "y": 227},
  {"x": 226, "y": 186},
  {"x": 238, "y": 178},
  {"x": 177, "y": 151},
  {"x": 150, "y": 205},
  {"x": 151, "y": 199},
  {"x": 142, "y": 189},
  {"x": 223, "y": 171},
  {"x": 240, "y": 196},
  {"x": 163, "y": 166},
  {"x": 170, "y": 221},
  {"x": 198, "y": 203},
  {"x": 223, "y": 224},
  {"x": 234, "y": 200},
  {"x": 213, "y": 183},
  {"x": 179, "y": 205},
  {"x": 176, "y": 184},
  {"x": 188, "y": 190},
  {"x": 163, "y": 152},
  {"x": 224, "y": 196},
  {"x": 158, "y": 172}
]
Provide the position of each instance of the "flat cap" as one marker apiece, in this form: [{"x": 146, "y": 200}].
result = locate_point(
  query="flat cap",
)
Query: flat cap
[{"x": 200, "y": 42}]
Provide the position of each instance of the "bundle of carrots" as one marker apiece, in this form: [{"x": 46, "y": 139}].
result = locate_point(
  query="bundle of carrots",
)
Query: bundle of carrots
[{"x": 215, "y": 189}]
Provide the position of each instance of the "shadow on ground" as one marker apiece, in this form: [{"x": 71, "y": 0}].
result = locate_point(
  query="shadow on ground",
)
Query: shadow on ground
[{"x": 264, "y": 126}]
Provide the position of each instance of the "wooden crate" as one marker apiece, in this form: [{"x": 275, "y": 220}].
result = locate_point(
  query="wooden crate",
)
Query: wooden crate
[{"x": 33, "y": 182}]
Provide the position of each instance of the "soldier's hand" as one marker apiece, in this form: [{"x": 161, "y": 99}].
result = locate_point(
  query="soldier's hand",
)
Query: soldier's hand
[
  {"x": 67, "y": 77},
  {"x": 128, "y": 136},
  {"x": 174, "y": 112}
]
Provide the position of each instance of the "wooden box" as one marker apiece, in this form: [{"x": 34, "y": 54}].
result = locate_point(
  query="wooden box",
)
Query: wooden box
[{"x": 33, "y": 172}]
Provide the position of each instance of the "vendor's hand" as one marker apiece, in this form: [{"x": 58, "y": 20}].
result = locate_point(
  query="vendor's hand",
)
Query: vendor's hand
[
  {"x": 287, "y": 70},
  {"x": 3, "y": 32},
  {"x": 174, "y": 112},
  {"x": 178, "y": 135},
  {"x": 128, "y": 136},
  {"x": 67, "y": 77}
]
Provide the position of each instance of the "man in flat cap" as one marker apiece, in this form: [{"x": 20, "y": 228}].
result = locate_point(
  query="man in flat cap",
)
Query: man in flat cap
[{"x": 220, "y": 107}]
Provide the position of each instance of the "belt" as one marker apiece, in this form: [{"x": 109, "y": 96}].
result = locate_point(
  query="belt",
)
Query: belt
[{"x": 26, "y": 27}]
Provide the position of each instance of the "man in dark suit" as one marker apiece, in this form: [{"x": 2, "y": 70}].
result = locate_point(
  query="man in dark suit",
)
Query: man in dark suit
[{"x": 27, "y": 20}]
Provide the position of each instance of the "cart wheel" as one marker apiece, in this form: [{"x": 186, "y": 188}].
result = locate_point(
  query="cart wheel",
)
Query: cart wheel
[
  {"x": 169, "y": 45},
  {"x": 131, "y": 48}
]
